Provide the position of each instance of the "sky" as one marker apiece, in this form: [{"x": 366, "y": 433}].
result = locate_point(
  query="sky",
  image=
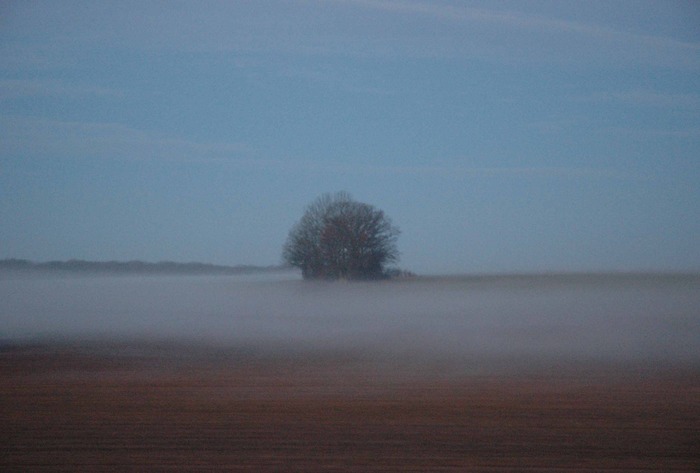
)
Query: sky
[{"x": 498, "y": 136}]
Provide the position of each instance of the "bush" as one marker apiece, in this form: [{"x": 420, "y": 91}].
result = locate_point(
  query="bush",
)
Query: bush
[{"x": 339, "y": 238}]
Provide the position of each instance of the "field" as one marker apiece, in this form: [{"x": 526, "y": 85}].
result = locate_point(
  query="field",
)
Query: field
[{"x": 323, "y": 401}]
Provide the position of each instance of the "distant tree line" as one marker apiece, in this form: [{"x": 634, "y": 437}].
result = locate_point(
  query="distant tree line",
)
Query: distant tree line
[{"x": 138, "y": 267}]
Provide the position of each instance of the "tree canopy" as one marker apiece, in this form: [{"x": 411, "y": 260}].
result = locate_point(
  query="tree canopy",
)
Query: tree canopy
[{"x": 340, "y": 238}]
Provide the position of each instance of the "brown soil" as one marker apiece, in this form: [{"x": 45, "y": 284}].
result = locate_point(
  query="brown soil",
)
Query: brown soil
[{"x": 63, "y": 409}]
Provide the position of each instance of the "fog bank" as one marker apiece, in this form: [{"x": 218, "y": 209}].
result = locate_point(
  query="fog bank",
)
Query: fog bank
[{"x": 605, "y": 317}]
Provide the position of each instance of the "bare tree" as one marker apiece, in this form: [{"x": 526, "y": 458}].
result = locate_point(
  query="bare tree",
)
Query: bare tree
[{"x": 339, "y": 238}]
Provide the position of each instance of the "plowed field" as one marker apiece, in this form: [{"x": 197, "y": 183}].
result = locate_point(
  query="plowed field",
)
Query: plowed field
[{"x": 63, "y": 409}]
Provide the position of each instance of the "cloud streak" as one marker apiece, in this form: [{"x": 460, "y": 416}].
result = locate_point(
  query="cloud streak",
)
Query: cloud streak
[
  {"x": 463, "y": 14},
  {"x": 43, "y": 138},
  {"x": 15, "y": 89},
  {"x": 538, "y": 31},
  {"x": 458, "y": 171},
  {"x": 53, "y": 139},
  {"x": 644, "y": 97},
  {"x": 358, "y": 28}
]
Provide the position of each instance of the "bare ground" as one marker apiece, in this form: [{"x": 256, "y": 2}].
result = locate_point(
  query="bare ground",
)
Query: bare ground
[{"x": 65, "y": 408}]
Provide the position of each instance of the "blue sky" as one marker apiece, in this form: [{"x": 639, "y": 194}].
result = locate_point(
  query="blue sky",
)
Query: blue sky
[{"x": 499, "y": 136}]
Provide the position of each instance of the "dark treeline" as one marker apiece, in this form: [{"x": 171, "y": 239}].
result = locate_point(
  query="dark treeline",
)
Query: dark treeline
[{"x": 139, "y": 267}]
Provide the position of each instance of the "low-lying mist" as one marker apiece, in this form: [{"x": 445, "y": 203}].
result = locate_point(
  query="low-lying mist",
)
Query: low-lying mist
[{"x": 603, "y": 317}]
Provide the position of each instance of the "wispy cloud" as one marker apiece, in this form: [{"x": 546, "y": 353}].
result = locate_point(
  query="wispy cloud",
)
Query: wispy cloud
[
  {"x": 684, "y": 133},
  {"x": 552, "y": 37},
  {"x": 357, "y": 28},
  {"x": 459, "y": 171},
  {"x": 681, "y": 133},
  {"x": 43, "y": 138},
  {"x": 12, "y": 89},
  {"x": 51, "y": 139},
  {"x": 644, "y": 97},
  {"x": 33, "y": 57},
  {"x": 517, "y": 20}
]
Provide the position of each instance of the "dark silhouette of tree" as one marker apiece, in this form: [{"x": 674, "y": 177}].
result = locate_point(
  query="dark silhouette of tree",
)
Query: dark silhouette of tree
[{"x": 339, "y": 238}]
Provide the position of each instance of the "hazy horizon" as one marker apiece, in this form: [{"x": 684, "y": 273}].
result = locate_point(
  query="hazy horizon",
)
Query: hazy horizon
[
  {"x": 555, "y": 319},
  {"x": 40, "y": 267}
]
